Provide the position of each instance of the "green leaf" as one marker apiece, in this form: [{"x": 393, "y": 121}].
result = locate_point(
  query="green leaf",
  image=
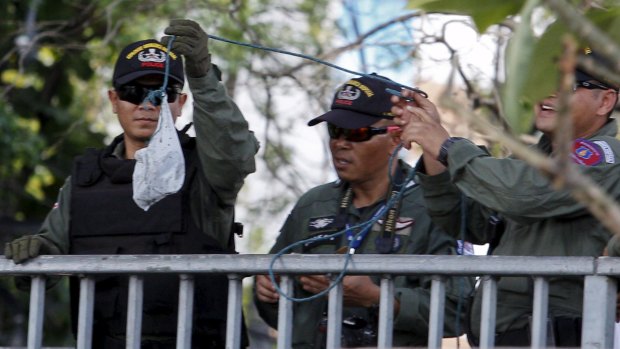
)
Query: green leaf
[
  {"x": 542, "y": 78},
  {"x": 518, "y": 61},
  {"x": 484, "y": 12}
]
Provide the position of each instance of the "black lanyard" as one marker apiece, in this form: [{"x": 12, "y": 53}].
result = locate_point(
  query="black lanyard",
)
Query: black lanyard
[{"x": 385, "y": 241}]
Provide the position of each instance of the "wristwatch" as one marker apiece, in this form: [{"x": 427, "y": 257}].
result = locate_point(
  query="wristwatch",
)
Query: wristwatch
[{"x": 443, "y": 151}]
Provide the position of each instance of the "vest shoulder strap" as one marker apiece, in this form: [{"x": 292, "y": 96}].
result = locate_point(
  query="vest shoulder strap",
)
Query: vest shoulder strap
[{"x": 86, "y": 170}]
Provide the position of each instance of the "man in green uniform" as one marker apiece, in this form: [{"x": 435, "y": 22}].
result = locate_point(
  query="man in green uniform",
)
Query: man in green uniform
[
  {"x": 539, "y": 221},
  {"x": 362, "y": 139},
  {"x": 95, "y": 213}
]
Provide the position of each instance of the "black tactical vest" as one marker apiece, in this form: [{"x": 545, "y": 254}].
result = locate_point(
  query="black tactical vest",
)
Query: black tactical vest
[{"x": 106, "y": 220}]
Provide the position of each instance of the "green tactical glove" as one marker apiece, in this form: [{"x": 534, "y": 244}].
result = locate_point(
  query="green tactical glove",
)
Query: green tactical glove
[
  {"x": 27, "y": 247},
  {"x": 191, "y": 42}
]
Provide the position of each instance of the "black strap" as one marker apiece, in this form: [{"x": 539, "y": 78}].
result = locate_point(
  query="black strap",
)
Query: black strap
[{"x": 388, "y": 228}]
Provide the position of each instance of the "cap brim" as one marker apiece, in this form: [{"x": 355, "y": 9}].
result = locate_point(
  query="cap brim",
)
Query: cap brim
[
  {"x": 583, "y": 76},
  {"x": 346, "y": 119},
  {"x": 137, "y": 74}
]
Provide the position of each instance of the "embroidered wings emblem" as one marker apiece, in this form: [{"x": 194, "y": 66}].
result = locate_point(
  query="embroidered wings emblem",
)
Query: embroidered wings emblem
[{"x": 320, "y": 223}]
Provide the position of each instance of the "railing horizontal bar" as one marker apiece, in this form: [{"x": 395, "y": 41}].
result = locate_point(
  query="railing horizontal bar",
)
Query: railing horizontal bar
[
  {"x": 608, "y": 266},
  {"x": 308, "y": 263}
]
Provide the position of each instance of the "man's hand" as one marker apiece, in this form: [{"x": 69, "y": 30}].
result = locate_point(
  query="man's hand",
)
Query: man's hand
[
  {"x": 191, "y": 42},
  {"x": 314, "y": 283},
  {"x": 265, "y": 290},
  {"x": 357, "y": 290},
  {"x": 27, "y": 247},
  {"x": 420, "y": 123}
]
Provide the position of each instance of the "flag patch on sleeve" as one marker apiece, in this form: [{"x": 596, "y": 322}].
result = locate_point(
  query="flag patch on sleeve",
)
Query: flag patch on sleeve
[{"x": 586, "y": 153}]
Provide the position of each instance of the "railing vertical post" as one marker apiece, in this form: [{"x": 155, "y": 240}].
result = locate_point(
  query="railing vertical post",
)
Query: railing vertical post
[
  {"x": 599, "y": 296},
  {"x": 438, "y": 299},
  {"x": 233, "y": 320},
  {"x": 386, "y": 312},
  {"x": 539, "y": 316},
  {"x": 36, "y": 312},
  {"x": 186, "y": 311},
  {"x": 334, "y": 316},
  {"x": 85, "y": 313},
  {"x": 489, "y": 307},
  {"x": 285, "y": 314},
  {"x": 134, "y": 311}
]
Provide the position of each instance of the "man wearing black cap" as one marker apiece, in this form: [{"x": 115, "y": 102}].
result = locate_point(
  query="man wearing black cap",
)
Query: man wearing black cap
[
  {"x": 95, "y": 213},
  {"x": 362, "y": 139},
  {"x": 539, "y": 221}
]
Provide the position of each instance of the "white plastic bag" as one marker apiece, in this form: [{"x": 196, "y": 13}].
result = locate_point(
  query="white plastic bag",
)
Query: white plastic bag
[{"x": 160, "y": 167}]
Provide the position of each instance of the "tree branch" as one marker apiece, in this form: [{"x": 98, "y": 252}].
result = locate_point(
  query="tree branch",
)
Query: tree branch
[{"x": 597, "y": 39}]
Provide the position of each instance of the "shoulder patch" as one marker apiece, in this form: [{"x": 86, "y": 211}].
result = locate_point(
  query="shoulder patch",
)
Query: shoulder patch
[
  {"x": 610, "y": 158},
  {"x": 586, "y": 152},
  {"x": 320, "y": 223}
]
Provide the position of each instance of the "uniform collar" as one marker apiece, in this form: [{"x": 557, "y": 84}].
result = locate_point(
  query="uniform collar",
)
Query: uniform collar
[{"x": 609, "y": 129}]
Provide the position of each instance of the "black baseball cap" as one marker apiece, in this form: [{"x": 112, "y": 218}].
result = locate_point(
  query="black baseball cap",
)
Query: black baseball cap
[
  {"x": 360, "y": 102},
  {"x": 582, "y": 75},
  {"x": 146, "y": 57}
]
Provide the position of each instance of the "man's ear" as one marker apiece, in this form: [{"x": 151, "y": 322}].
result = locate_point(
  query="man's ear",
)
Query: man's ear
[
  {"x": 609, "y": 100},
  {"x": 113, "y": 97}
]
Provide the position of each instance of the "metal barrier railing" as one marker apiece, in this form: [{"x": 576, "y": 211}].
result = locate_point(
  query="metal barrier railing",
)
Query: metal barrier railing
[{"x": 598, "y": 313}]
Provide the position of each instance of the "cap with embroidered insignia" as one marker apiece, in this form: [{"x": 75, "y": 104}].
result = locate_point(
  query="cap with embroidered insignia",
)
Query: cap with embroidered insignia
[
  {"x": 360, "y": 102},
  {"x": 146, "y": 57}
]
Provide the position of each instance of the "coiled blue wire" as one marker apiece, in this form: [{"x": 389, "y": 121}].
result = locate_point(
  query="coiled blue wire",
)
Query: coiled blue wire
[{"x": 364, "y": 227}]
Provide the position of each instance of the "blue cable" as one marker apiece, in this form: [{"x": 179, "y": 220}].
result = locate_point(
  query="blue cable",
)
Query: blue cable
[
  {"x": 364, "y": 228},
  {"x": 331, "y": 65},
  {"x": 157, "y": 96}
]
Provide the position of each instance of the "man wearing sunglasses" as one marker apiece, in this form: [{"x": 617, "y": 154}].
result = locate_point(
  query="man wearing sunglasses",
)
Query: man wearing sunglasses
[
  {"x": 538, "y": 220},
  {"x": 95, "y": 213},
  {"x": 362, "y": 139}
]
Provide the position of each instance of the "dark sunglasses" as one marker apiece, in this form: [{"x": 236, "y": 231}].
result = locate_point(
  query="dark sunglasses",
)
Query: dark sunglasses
[
  {"x": 361, "y": 134},
  {"x": 136, "y": 93},
  {"x": 590, "y": 85}
]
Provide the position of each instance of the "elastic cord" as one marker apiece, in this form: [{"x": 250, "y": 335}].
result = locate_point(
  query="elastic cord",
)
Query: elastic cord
[{"x": 157, "y": 96}]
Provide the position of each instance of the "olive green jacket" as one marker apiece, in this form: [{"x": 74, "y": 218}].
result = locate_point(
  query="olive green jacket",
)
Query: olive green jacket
[
  {"x": 540, "y": 221},
  {"x": 415, "y": 235},
  {"x": 225, "y": 148}
]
